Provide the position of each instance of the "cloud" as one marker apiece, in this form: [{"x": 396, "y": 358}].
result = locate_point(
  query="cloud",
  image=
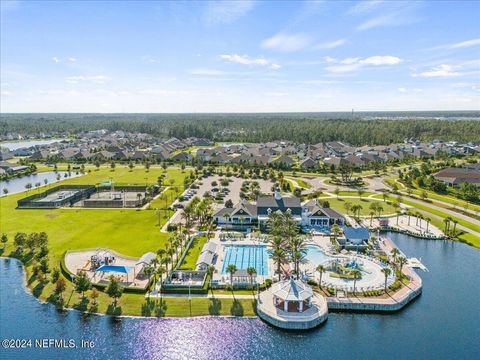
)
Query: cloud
[
  {"x": 97, "y": 79},
  {"x": 392, "y": 14},
  {"x": 329, "y": 59},
  {"x": 246, "y": 60},
  {"x": 459, "y": 45},
  {"x": 218, "y": 12},
  {"x": 286, "y": 42},
  {"x": 206, "y": 72},
  {"x": 364, "y": 7},
  {"x": 331, "y": 44},
  {"x": 352, "y": 64},
  {"x": 402, "y": 89},
  {"x": 442, "y": 70},
  {"x": 55, "y": 59},
  {"x": 72, "y": 59},
  {"x": 381, "y": 60}
]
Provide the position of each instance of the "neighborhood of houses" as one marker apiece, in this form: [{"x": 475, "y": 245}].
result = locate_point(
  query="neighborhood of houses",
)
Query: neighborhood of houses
[{"x": 106, "y": 146}]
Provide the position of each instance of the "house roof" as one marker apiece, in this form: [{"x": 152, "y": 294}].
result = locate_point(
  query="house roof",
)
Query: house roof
[
  {"x": 292, "y": 290},
  {"x": 209, "y": 247},
  {"x": 270, "y": 202}
]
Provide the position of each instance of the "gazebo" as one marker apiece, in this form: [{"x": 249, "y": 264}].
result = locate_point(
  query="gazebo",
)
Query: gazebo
[{"x": 292, "y": 296}]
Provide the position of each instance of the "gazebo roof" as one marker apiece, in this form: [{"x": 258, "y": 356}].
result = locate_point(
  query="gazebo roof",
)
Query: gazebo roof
[{"x": 292, "y": 290}]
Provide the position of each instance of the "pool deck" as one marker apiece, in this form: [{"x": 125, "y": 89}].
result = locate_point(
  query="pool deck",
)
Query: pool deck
[
  {"x": 80, "y": 260},
  {"x": 394, "y": 302}
]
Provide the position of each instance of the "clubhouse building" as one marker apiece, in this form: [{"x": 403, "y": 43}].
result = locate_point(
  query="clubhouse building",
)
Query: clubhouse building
[{"x": 244, "y": 215}]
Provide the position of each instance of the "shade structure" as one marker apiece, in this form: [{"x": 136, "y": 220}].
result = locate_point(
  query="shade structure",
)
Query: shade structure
[{"x": 113, "y": 268}]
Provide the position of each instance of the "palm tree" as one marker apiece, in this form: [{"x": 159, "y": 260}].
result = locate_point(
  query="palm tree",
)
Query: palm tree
[
  {"x": 454, "y": 231},
  {"x": 395, "y": 252},
  {"x": 231, "y": 269},
  {"x": 447, "y": 225},
  {"x": 386, "y": 271},
  {"x": 298, "y": 251},
  {"x": 251, "y": 271},
  {"x": 336, "y": 231},
  {"x": 210, "y": 271},
  {"x": 356, "y": 275},
  {"x": 279, "y": 257},
  {"x": 320, "y": 269},
  {"x": 372, "y": 213},
  {"x": 427, "y": 219},
  {"x": 336, "y": 191},
  {"x": 166, "y": 261},
  {"x": 401, "y": 261}
]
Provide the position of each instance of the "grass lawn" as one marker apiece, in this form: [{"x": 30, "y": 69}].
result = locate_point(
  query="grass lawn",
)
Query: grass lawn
[
  {"x": 354, "y": 193},
  {"x": 122, "y": 174},
  {"x": 302, "y": 183},
  {"x": 130, "y": 232},
  {"x": 470, "y": 238},
  {"x": 193, "y": 252},
  {"x": 338, "y": 204}
]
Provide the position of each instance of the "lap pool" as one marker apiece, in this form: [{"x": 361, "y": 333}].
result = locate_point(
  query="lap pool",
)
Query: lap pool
[{"x": 245, "y": 256}]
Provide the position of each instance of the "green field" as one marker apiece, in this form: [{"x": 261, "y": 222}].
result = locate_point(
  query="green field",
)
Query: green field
[
  {"x": 338, "y": 204},
  {"x": 193, "y": 252},
  {"x": 472, "y": 239}
]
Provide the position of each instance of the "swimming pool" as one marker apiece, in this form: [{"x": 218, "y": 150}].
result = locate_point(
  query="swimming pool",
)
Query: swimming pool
[
  {"x": 114, "y": 268},
  {"x": 316, "y": 256},
  {"x": 245, "y": 256}
]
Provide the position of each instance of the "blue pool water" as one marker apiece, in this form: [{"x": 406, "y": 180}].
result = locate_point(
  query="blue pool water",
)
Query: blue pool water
[
  {"x": 114, "y": 268},
  {"x": 316, "y": 256},
  {"x": 245, "y": 256}
]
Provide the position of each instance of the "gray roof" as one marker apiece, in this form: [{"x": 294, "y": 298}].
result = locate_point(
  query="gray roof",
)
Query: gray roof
[
  {"x": 270, "y": 202},
  {"x": 146, "y": 258},
  {"x": 292, "y": 290},
  {"x": 209, "y": 246},
  {"x": 205, "y": 257},
  {"x": 241, "y": 208}
]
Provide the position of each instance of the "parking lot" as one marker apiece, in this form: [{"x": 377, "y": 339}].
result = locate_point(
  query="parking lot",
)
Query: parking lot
[{"x": 233, "y": 193}]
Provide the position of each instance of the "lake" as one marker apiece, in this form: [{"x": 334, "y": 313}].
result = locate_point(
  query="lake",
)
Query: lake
[
  {"x": 443, "y": 323},
  {"x": 17, "y": 185},
  {"x": 14, "y": 145}
]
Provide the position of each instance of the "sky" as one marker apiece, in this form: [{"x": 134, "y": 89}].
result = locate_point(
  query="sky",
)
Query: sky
[{"x": 239, "y": 56}]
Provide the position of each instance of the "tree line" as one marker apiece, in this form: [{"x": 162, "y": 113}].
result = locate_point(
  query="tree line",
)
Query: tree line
[{"x": 298, "y": 127}]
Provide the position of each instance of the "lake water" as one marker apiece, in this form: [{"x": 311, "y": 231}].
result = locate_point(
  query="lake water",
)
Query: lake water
[
  {"x": 17, "y": 185},
  {"x": 14, "y": 145},
  {"x": 443, "y": 323}
]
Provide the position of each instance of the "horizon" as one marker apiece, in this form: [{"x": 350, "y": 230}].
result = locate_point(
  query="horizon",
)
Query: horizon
[{"x": 311, "y": 56}]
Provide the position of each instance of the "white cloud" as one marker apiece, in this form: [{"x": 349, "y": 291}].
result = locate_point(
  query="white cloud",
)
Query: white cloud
[
  {"x": 97, "y": 79},
  {"x": 394, "y": 13},
  {"x": 352, "y": 64},
  {"x": 72, "y": 59},
  {"x": 286, "y": 42},
  {"x": 402, "y": 89},
  {"x": 55, "y": 59},
  {"x": 349, "y": 60},
  {"x": 459, "y": 45},
  {"x": 364, "y": 6},
  {"x": 246, "y": 60},
  {"x": 381, "y": 60},
  {"x": 276, "y": 94},
  {"x": 218, "y": 12},
  {"x": 206, "y": 72},
  {"x": 331, "y": 44},
  {"x": 329, "y": 59},
  {"x": 442, "y": 70}
]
